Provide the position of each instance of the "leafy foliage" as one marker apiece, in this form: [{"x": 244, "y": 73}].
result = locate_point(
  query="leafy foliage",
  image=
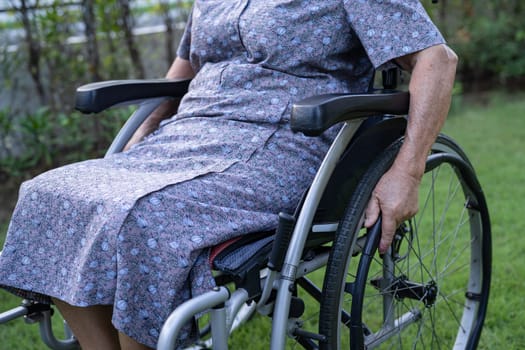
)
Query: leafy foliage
[
  {"x": 495, "y": 47},
  {"x": 50, "y": 139},
  {"x": 67, "y": 44},
  {"x": 489, "y": 38}
]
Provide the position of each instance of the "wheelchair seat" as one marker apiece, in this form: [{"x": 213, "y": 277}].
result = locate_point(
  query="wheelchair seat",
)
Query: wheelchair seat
[{"x": 242, "y": 257}]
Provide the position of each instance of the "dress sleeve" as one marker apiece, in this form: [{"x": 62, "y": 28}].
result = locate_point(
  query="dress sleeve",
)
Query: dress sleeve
[
  {"x": 183, "y": 50},
  {"x": 389, "y": 29}
]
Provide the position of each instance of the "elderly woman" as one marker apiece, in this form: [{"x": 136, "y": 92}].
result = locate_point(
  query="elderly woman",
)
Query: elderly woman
[{"x": 118, "y": 243}]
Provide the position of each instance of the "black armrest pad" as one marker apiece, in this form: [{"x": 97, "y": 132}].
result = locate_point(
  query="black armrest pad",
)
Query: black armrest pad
[
  {"x": 95, "y": 97},
  {"x": 314, "y": 115}
]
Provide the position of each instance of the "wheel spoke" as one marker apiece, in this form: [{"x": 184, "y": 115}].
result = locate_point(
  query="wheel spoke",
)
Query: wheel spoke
[{"x": 414, "y": 297}]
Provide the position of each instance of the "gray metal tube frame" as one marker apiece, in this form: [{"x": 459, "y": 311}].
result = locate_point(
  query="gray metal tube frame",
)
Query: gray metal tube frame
[
  {"x": 10, "y": 315},
  {"x": 133, "y": 122},
  {"x": 46, "y": 329},
  {"x": 184, "y": 313},
  {"x": 219, "y": 328},
  {"x": 48, "y": 337},
  {"x": 222, "y": 319},
  {"x": 301, "y": 231}
]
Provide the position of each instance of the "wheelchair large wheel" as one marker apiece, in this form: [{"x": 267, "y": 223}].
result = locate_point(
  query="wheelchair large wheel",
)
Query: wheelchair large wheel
[{"x": 431, "y": 289}]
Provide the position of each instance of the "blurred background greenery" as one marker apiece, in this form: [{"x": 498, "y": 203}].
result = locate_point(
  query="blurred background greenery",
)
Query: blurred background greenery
[{"x": 47, "y": 49}]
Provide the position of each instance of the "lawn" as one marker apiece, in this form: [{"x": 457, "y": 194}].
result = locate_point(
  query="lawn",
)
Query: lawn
[
  {"x": 492, "y": 132},
  {"x": 493, "y": 136}
]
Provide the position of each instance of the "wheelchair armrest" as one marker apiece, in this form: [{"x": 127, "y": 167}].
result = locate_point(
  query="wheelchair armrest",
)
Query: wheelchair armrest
[
  {"x": 95, "y": 97},
  {"x": 315, "y": 114}
]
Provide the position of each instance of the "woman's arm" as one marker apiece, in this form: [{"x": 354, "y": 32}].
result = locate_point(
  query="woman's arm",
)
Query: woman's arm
[
  {"x": 396, "y": 194},
  {"x": 180, "y": 69}
]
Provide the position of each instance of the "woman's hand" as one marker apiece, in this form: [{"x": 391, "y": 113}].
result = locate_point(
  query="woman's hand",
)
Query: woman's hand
[{"x": 396, "y": 198}]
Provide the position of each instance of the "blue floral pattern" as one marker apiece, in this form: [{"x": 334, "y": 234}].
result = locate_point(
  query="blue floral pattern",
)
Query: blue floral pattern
[{"x": 133, "y": 230}]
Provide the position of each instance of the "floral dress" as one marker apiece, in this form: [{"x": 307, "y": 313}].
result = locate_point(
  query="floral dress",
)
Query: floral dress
[{"x": 133, "y": 230}]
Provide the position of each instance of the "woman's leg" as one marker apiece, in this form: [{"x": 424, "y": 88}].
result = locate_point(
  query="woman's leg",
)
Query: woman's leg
[
  {"x": 126, "y": 343},
  {"x": 93, "y": 329},
  {"x": 91, "y": 325}
]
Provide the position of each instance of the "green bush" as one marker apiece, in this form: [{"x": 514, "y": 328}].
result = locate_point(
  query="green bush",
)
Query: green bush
[
  {"x": 493, "y": 48},
  {"x": 47, "y": 66},
  {"x": 37, "y": 141}
]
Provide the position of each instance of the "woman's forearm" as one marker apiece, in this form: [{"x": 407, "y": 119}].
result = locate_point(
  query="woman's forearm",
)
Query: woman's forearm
[
  {"x": 396, "y": 194},
  {"x": 180, "y": 69},
  {"x": 433, "y": 73}
]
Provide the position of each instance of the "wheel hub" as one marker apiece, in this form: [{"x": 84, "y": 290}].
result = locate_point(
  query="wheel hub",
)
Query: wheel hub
[{"x": 401, "y": 288}]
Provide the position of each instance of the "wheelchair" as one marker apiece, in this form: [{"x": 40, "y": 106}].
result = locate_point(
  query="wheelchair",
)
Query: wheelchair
[{"x": 319, "y": 276}]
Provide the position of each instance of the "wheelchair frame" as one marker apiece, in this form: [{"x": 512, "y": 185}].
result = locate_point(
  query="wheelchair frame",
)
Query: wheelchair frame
[{"x": 286, "y": 266}]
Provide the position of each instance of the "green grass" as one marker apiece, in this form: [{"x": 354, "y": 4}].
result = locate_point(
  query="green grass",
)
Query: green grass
[{"x": 493, "y": 135}]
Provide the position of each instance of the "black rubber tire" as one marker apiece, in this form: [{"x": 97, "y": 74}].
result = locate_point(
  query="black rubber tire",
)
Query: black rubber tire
[{"x": 346, "y": 281}]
